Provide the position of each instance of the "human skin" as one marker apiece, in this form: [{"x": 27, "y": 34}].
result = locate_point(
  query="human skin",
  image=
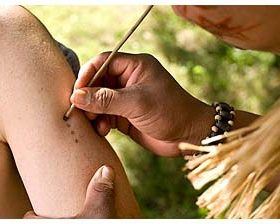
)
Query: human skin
[
  {"x": 55, "y": 159},
  {"x": 14, "y": 201},
  {"x": 145, "y": 102},
  {"x": 243, "y": 118},
  {"x": 99, "y": 201},
  {"x": 173, "y": 114},
  {"x": 246, "y": 27}
]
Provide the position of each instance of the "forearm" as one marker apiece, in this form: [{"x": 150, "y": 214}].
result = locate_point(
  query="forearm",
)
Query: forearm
[
  {"x": 243, "y": 119},
  {"x": 204, "y": 119},
  {"x": 55, "y": 159}
]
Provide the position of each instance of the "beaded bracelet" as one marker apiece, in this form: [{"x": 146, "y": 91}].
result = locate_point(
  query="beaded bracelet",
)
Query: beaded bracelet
[{"x": 224, "y": 120}]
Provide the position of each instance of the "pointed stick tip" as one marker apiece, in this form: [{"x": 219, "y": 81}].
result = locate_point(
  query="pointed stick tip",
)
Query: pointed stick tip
[{"x": 65, "y": 118}]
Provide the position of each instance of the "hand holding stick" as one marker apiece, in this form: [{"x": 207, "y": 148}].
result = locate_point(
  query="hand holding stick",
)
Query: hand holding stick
[{"x": 100, "y": 72}]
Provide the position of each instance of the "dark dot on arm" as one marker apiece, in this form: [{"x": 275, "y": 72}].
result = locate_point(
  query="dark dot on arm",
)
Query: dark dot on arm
[
  {"x": 76, "y": 141},
  {"x": 72, "y": 132}
]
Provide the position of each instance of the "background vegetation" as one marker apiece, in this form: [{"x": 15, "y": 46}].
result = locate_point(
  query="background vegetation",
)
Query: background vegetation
[{"x": 203, "y": 65}]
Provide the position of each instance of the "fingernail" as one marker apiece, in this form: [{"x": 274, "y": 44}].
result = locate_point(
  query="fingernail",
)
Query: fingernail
[
  {"x": 107, "y": 173},
  {"x": 80, "y": 97}
]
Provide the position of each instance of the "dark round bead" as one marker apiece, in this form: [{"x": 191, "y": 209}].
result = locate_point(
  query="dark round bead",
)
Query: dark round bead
[
  {"x": 223, "y": 126},
  {"x": 214, "y": 104},
  {"x": 225, "y": 106},
  {"x": 226, "y": 115}
]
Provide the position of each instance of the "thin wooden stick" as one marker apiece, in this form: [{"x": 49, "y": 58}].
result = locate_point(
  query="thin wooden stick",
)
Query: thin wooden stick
[{"x": 100, "y": 72}]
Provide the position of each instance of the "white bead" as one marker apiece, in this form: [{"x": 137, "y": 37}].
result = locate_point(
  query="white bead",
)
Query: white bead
[
  {"x": 214, "y": 128},
  {"x": 218, "y": 117},
  {"x": 230, "y": 122},
  {"x": 218, "y": 108},
  {"x": 232, "y": 112}
]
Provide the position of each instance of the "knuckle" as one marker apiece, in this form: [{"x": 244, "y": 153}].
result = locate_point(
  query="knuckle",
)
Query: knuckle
[
  {"x": 147, "y": 60},
  {"x": 104, "y": 55},
  {"x": 97, "y": 59},
  {"x": 104, "y": 186},
  {"x": 104, "y": 98},
  {"x": 147, "y": 57}
]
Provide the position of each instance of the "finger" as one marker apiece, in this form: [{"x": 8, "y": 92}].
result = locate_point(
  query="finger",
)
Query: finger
[
  {"x": 123, "y": 125},
  {"x": 89, "y": 69},
  {"x": 99, "y": 202},
  {"x": 103, "y": 125},
  {"x": 123, "y": 102},
  {"x": 32, "y": 215},
  {"x": 123, "y": 65},
  {"x": 91, "y": 116},
  {"x": 113, "y": 122}
]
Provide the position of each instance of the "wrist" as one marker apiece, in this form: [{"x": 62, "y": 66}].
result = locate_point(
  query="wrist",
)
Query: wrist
[
  {"x": 200, "y": 122},
  {"x": 203, "y": 120}
]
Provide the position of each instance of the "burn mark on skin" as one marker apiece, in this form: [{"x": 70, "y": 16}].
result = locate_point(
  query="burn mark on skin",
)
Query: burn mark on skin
[
  {"x": 223, "y": 28},
  {"x": 72, "y": 132},
  {"x": 65, "y": 118}
]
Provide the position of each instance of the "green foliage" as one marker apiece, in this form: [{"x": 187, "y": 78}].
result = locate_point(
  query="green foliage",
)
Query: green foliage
[{"x": 203, "y": 65}]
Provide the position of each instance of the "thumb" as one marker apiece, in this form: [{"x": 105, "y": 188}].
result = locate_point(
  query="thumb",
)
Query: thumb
[
  {"x": 122, "y": 102},
  {"x": 99, "y": 202}
]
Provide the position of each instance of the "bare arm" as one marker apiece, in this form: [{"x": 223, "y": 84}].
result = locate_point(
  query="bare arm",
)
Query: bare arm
[{"x": 55, "y": 159}]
